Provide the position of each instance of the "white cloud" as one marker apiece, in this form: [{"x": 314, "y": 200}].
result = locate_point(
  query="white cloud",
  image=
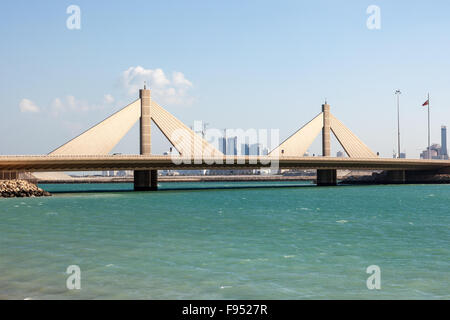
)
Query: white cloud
[
  {"x": 108, "y": 99},
  {"x": 57, "y": 106},
  {"x": 164, "y": 90},
  {"x": 27, "y": 105},
  {"x": 180, "y": 80},
  {"x": 69, "y": 103}
]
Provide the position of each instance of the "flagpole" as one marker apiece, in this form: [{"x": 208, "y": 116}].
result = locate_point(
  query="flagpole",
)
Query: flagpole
[{"x": 429, "y": 150}]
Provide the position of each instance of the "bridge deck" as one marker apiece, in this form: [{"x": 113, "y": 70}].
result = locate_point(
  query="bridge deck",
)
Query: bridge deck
[{"x": 138, "y": 162}]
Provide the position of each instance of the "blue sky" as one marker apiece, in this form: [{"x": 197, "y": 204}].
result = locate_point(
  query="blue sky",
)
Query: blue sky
[{"x": 233, "y": 64}]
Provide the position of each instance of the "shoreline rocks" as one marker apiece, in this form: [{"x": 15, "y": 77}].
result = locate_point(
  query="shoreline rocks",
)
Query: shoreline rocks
[
  {"x": 411, "y": 178},
  {"x": 20, "y": 189}
]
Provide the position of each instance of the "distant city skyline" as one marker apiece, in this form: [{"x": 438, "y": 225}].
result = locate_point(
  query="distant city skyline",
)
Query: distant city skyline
[
  {"x": 437, "y": 151},
  {"x": 231, "y": 64}
]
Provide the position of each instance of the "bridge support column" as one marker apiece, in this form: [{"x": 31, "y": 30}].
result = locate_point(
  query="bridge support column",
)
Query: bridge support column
[
  {"x": 9, "y": 175},
  {"x": 326, "y": 177},
  {"x": 146, "y": 180},
  {"x": 326, "y": 145},
  {"x": 396, "y": 176},
  {"x": 145, "y": 122}
]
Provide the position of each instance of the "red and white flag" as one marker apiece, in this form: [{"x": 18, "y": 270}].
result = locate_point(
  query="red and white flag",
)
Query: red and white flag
[{"x": 426, "y": 103}]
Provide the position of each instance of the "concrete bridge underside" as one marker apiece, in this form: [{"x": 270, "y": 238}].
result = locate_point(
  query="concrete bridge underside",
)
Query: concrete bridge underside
[
  {"x": 153, "y": 162},
  {"x": 398, "y": 169}
]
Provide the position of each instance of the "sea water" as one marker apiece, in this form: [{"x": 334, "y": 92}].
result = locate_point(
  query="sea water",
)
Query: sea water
[{"x": 227, "y": 240}]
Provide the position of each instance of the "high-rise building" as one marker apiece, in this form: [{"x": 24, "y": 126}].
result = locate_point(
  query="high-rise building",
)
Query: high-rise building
[
  {"x": 223, "y": 145},
  {"x": 437, "y": 151},
  {"x": 231, "y": 146},
  {"x": 255, "y": 149},
  {"x": 245, "y": 149},
  {"x": 434, "y": 152},
  {"x": 444, "y": 152}
]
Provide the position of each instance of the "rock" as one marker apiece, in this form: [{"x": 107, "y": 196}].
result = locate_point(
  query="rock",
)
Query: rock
[
  {"x": 20, "y": 188},
  {"x": 410, "y": 177}
]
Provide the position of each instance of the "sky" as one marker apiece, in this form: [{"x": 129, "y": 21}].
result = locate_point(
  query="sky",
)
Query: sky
[{"x": 231, "y": 64}]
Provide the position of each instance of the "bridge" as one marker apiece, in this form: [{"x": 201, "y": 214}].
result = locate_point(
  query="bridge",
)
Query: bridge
[{"x": 90, "y": 151}]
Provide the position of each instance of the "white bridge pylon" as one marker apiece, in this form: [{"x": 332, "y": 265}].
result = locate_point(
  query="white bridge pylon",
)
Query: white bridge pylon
[
  {"x": 104, "y": 136},
  {"x": 298, "y": 143}
]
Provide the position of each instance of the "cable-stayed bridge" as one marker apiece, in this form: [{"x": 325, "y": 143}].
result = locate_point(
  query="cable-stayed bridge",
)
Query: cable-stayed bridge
[{"x": 90, "y": 151}]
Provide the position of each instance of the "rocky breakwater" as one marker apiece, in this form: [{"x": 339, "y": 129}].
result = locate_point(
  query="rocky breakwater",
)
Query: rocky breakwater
[
  {"x": 411, "y": 177},
  {"x": 20, "y": 188}
]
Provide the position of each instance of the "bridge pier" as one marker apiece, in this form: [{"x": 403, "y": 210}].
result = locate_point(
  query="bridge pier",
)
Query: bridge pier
[
  {"x": 326, "y": 177},
  {"x": 8, "y": 175},
  {"x": 145, "y": 180},
  {"x": 396, "y": 176}
]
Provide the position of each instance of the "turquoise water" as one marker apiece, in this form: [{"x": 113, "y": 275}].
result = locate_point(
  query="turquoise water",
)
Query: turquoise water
[{"x": 210, "y": 241}]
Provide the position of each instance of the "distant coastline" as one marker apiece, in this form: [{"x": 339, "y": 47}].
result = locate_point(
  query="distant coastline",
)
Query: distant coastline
[
  {"x": 383, "y": 178},
  {"x": 230, "y": 178},
  {"x": 23, "y": 188}
]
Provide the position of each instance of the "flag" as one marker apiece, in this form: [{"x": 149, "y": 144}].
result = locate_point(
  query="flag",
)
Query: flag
[{"x": 426, "y": 103}]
